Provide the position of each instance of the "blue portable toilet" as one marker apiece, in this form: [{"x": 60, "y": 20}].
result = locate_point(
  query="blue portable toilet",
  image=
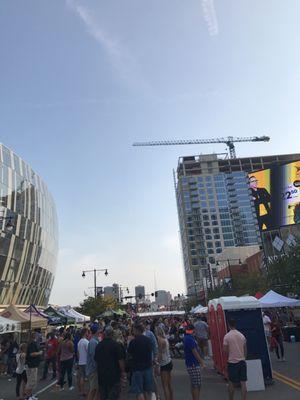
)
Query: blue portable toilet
[{"x": 246, "y": 311}]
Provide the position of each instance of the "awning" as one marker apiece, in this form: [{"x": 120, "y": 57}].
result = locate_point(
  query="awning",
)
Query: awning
[
  {"x": 58, "y": 318},
  {"x": 13, "y": 313},
  {"x": 68, "y": 311},
  {"x": 199, "y": 310},
  {"x": 160, "y": 313},
  {"x": 38, "y": 313},
  {"x": 9, "y": 326},
  {"x": 195, "y": 310},
  {"x": 273, "y": 300}
]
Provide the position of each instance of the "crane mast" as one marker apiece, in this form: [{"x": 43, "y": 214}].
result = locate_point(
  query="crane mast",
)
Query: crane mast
[{"x": 229, "y": 141}]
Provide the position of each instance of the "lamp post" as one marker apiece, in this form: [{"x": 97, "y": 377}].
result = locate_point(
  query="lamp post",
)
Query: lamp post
[{"x": 94, "y": 271}]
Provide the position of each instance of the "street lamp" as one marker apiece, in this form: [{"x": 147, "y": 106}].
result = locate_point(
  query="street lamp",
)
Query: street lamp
[{"x": 94, "y": 271}]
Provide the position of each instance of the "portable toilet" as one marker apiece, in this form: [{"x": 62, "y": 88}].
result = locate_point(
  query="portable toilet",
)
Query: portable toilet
[
  {"x": 246, "y": 311},
  {"x": 214, "y": 335}
]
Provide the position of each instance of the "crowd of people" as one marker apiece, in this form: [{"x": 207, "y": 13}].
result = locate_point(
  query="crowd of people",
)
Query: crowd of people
[
  {"x": 274, "y": 321},
  {"x": 110, "y": 357}
]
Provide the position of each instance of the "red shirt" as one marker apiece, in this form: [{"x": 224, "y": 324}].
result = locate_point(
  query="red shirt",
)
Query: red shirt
[{"x": 51, "y": 348}]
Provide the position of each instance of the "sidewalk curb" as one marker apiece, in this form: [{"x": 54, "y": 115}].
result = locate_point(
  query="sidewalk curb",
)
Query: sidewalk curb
[{"x": 45, "y": 388}]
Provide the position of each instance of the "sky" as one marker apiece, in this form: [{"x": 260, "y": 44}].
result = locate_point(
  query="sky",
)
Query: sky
[{"x": 81, "y": 80}]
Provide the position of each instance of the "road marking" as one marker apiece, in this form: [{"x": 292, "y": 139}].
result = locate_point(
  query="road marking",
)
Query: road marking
[
  {"x": 45, "y": 388},
  {"x": 288, "y": 381}
]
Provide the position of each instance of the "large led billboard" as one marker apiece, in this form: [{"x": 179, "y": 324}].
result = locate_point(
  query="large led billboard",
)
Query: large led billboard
[{"x": 276, "y": 195}]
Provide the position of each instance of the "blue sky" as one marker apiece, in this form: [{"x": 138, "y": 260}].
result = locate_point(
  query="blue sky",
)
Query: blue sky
[{"x": 81, "y": 80}]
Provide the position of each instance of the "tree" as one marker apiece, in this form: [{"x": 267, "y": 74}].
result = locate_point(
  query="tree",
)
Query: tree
[
  {"x": 93, "y": 307},
  {"x": 241, "y": 285},
  {"x": 284, "y": 273}
]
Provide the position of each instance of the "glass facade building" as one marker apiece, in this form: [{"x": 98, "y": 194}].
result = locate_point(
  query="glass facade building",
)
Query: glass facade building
[
  {"x": 215, "y": 211},
  {"x": 28, "y": 234}
]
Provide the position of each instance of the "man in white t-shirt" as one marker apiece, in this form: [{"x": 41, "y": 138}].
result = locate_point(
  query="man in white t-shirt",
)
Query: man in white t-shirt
[
  {"x": 82, "y": 360},
  {"x": 267, "y": 326},
  {"x": 235, "y": 346}
]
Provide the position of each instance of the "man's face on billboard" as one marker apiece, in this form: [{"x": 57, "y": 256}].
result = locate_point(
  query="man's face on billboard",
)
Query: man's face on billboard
[{"x": 253, "y": 182}]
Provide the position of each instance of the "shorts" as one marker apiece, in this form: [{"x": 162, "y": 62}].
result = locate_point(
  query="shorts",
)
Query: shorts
[
  {"x": 32, "y": 374},
  {"x": 237, "y": 372},
  {"x": 168, "y": 367},
  {"x": 82, "y": 371},
  {"x": 142, "y": 381},
  {"x": 93, "y": 381},
  {"x": 202, "y": 342},
  {"x": 195, "y": 376}
]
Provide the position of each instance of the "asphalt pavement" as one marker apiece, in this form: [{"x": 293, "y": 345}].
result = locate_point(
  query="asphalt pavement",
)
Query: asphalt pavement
[{"x": 286, "y": 383}]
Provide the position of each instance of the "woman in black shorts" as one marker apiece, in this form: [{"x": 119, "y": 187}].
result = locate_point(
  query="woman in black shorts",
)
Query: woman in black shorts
[{"x": 165, "y": 362}]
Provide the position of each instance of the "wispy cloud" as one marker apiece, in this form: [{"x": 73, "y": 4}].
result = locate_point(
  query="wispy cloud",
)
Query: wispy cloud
[
  {"x": 123, "y": 62},
  {"x": 210, "y": 17}
]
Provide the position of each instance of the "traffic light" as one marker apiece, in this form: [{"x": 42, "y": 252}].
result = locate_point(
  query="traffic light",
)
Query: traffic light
[{"x": 156, "y": 294}]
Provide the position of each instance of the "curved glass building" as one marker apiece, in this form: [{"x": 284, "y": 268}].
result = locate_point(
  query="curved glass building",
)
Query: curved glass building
[{"x": 28, "y": 234}]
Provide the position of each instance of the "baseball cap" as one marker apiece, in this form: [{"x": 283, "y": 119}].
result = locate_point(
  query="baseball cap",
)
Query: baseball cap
[{"x": 190, "y": 329}]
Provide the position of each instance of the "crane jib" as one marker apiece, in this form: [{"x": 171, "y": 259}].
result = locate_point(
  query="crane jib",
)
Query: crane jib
[{"x": 229, "y": 141}]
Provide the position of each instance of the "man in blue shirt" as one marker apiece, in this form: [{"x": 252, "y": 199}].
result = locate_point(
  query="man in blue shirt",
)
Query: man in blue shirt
[
  {"x": 152, "y": 337},
  {"x": 193, "y": 361}
]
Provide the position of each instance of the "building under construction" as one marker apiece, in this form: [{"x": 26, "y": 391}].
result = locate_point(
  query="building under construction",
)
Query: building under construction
[{"x": 217, "y": 210}]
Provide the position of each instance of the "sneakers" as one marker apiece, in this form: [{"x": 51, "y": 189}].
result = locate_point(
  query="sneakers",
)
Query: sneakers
[{"x": 71, "y": 388}]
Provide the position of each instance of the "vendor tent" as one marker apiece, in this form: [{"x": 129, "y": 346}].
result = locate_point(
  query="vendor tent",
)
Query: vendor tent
[
  {"x": 9, "y": 326},
  {"x": 160, "y": 314},
  {"x": 195, "y": 310},
  {"x": 13, "y": 313},
  {"x": 199, "y": 310},
  {"x": 58, "y": 318},
  {"x": 38, "y": 313},
  {"x": 273, "y": 300},
  {"x": 71, "y": 313}
]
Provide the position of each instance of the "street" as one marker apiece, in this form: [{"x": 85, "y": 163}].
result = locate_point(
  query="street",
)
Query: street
[{"x": 286, "y": 382}]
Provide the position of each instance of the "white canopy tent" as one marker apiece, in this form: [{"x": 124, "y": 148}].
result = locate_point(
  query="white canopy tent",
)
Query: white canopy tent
[
  {"x": 199, "y": 310},
  {"x": 70, "y": 312},
  {"x": 9, "y": 326},
  {"x": 273, "y": 300},
  {"x": 160, "y": 313}
]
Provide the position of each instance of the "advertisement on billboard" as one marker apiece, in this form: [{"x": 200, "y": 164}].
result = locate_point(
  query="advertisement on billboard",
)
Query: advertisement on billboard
[{"x": 276, "y": 195}]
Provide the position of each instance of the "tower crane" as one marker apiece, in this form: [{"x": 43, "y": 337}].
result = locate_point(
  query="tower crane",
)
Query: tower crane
[{"x": 229, "y": 141}]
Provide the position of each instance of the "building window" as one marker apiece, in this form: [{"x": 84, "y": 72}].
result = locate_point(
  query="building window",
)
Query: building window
[{"x": 194, "y": 261}]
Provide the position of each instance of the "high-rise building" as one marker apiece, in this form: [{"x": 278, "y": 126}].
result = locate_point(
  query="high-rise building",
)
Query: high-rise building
[
  {"x": 113, "y": 291},
  {"x": 163, "y": 298},
  {"x": 216, "y": 210},
  {"x": 28, "y": 234},
  {"x": 139, "y": 292}
]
